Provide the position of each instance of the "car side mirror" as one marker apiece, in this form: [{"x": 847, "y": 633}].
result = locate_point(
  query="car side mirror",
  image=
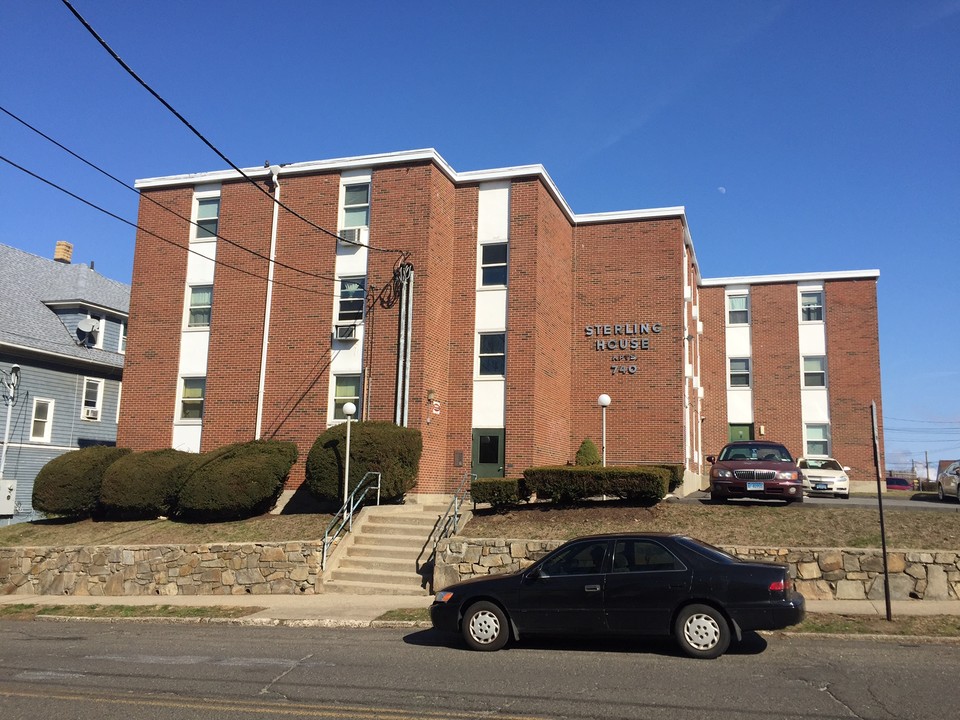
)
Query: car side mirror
[
  {"x": 846, "y": 469},
  {"x": 711, "y": 459},
  {"x": 533, "y": 575}
]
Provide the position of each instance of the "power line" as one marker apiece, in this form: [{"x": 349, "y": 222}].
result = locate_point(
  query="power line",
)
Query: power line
[
  {"x": 156, "y": 202},
  {"x": 931, "y": 422},
  {"x": 182, "y": 119}
]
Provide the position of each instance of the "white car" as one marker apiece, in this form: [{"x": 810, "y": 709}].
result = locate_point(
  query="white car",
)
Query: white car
[{"x": 824, "y": 476}]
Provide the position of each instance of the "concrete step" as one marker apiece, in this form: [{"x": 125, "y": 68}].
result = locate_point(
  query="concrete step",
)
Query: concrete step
[
  {"x": 418, "y": 520},
  {"x": 410, "y": 542},
  {"x": 371, "y": 588},
  {"x": 377, "y": 527},
  {"x": 406, "y": 580},
  {"x": 380, "y": 551},
  {"x": 401, "y": 565}
]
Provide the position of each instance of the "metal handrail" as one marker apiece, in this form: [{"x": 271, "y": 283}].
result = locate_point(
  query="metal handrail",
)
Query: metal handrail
[
  {"x": 452, "y": 516},
  {"x": 344, "y": 517}
]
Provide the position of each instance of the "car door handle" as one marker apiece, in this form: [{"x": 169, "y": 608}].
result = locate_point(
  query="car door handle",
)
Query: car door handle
[{"x": 592, "y": 588}]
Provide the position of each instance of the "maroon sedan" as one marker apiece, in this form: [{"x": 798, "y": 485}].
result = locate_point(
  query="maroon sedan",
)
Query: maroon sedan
[{"x": 755, "y": 469}]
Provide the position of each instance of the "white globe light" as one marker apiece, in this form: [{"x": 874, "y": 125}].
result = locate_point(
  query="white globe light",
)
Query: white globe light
[
  {"x": 603, "y": 400},
  {"x": 349, "y": 409}
]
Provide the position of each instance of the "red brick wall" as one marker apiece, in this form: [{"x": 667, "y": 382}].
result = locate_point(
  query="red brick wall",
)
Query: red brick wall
[
  {"x": 156, "y": 318},
  {"x": 630, "y": 272},
  {"x": 775, "y": 365},
  {"x": 853, "y": 372},
  {"x": 713, "y": 369}
]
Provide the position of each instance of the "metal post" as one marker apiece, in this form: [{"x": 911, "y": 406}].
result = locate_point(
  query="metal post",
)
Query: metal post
[
  {"x": 883, "y": 532},
  {"x": 6, "y": 435},
  {"x": 348, "y": 409},
  {"x": 603, "y": 401}
]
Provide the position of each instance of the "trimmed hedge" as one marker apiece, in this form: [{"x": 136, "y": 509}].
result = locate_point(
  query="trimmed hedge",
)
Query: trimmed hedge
[
  {"x": 588, "y": 454},
  {"x": 568, "y": 484},
  {"x": 143, "y": 485},
  {"x": 499, "y": 492},
  {"x": 375, "y": 446},
  {"x": 69, "y": 485},
  {"x": 235, "y": 481}
]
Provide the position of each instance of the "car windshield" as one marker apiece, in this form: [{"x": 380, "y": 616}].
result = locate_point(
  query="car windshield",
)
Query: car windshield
[
  {"x": 823, "y": 464},
  {"x": 777, "y": 453}
]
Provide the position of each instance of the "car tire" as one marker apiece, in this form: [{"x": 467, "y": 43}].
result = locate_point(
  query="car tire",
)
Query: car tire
[
  {"x": 717, "y": 498},
  {"x": 941, "y": 496},
  {"x": 843, "y": 496},
  {"x": 702, "y": 632},
  {"x": 485, "y": 627}
]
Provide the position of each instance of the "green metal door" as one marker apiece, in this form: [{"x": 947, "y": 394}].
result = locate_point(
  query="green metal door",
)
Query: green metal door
[
  {"x": 487, "y": 452},
  {"x": 741, "y": 432}
]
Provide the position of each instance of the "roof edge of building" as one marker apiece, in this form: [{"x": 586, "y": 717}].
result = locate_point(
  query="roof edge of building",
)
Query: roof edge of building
[{"x": 791, "y": 277}]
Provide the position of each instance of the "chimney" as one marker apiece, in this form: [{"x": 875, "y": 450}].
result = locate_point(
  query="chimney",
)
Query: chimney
[{"x": 63, "y": 252}]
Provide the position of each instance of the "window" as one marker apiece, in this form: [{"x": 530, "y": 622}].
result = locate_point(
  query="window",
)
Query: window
[
  {"x": 584, "y": 558},
  {"x": 92, "y": 397},
  {"x": 811, "y": 306},
  {"x": 201, "y": 301},
  {"x": 493, "y": 264},
  {"x": 42, "y": 424},
  {"x": 814, "y": 372},
  {"x": 352, "y": 294},
  {"x": 208, "y": 218},
  {"x": 818, "y": 440},
  {"x": 346, "y": 389},
  {"x": 739, "y": 309},
  {"x": 739, "y": 372},
  {"x": 356, "y": 205},
  {"x": 643, "y": 556},
  {"x": 122, "y": 347},
  {"x": 492, "y": 354},
  {"x": 191, "y": 398}
]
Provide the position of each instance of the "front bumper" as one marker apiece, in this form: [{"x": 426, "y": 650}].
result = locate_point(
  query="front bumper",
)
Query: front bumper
[
  {"x": 772, "y": 489},
  {"x": 445, "y": 616}
]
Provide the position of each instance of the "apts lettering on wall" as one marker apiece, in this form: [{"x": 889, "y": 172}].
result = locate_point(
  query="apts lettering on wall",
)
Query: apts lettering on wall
[{"x": 621, "y": 341}]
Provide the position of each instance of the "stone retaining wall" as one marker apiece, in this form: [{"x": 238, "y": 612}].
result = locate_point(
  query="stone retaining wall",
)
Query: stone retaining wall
[
  {"x": 820, "y": 573},
  {"x": 220, "y": 569}
]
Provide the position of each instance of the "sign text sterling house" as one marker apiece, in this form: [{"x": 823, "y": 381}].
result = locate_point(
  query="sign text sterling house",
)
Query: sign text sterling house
[{"x": 628, "y": 336}]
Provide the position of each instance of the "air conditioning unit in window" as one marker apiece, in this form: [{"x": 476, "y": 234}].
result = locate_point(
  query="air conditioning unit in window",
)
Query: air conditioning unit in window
[
  {"x": 91, "y": 414},
  {"x": 352, "y": 237},
  {"x": 346, "y": 333}
]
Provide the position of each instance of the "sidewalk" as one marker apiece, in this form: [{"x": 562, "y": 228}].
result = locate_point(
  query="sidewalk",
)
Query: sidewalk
[{"x": 342, "y": 610}]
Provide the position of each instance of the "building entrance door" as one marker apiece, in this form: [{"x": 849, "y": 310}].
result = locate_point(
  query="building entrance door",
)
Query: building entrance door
[
  {"x": 488, "y": 452},
  {"x": 741, "y": 432}
]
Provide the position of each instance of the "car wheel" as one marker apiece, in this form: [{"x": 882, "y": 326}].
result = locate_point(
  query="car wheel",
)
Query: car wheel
[
  {"x": 702, "y": 632},
  {"x": 843, "y": 496},
  {"x": 940, "y": 494},
  {"x": 485, "y": 627},
  {"x": 717, "y": 498}
]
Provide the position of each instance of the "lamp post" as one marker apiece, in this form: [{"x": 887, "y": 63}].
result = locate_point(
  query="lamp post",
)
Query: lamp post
[
  {"x": 603, "y": 401},
  {"x": 9, "y": 398},
  {"x": 349, "y": 409}
]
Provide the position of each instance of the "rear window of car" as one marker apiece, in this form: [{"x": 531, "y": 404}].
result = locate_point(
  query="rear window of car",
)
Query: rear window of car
[
  {"x": 769, "y": 453},
  {"x": 711, "y": 552}
]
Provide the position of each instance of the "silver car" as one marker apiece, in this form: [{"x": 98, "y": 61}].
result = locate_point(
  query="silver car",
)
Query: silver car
[
  {"x": 948, "y": 482},
  {"x": 824, "y": 476}
]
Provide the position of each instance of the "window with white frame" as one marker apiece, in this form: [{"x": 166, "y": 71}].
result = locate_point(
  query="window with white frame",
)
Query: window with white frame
[
  {"x": 811, "y": 306},
  {"x": 352, "y": 296},
  {"x": 815, "y": 371},
  {"x": 818, "y": 440},
  {"x": 41, "y": 426},
  {"x": 92, "y": 399},
  {"x": 739, "y": 372},
  {"x": 192, "y": 394},
  {"x": 356, "y": 205},
  {"x": 119, "y": 393},
  {"x": 738, "y": 309},
  {"x": 493, "y": 353},
  {"x": 201, "y": 302},
  {"x": 346, "y": 389},
  {"x": 208, "y": 218},
  {"x": 122, "y": 347},
  {"x": 493, "y": 264}
]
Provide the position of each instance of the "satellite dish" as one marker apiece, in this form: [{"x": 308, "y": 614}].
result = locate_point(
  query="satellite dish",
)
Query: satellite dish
[{"x": 88, "y": 326}]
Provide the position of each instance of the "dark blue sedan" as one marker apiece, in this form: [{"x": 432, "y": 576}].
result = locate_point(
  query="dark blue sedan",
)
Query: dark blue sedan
[{"x": 627, "y": 584}]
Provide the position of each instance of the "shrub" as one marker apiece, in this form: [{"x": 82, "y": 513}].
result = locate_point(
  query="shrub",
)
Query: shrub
[
  {"x": 570, "y": 484},
  {"x": 143, "y": 484},
  {"x": 499, "y": 492},
  {"x": 235, "y": 481},
  {"x": 588, "y": 454},
  {"x": 382, "y": 447},
  {"x": 70, "y": 484}
]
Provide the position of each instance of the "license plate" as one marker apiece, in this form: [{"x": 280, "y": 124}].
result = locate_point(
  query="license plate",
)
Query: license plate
[
  {"x": 754, "y": 486},
  {"x": 820, "y": 486}
]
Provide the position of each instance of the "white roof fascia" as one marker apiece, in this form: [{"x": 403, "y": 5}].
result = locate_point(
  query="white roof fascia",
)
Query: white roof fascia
[
  {"x": 791, "y": 277},
  {"x": 406, "y": 156},
  {"x": 71, "y": 359},
  {"x": 85, "y": 305}
]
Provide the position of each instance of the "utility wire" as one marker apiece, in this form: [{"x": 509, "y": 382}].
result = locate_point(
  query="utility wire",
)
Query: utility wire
[
  {"x": 156, "y": 202},
  {"x": 153, "y": 234},
  {"x": 931, "y": 422},
  {"x": 182, "y": 119}
]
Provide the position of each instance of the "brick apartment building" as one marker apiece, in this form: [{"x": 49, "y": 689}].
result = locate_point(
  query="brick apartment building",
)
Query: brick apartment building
[{"x": 480, "y": 309}]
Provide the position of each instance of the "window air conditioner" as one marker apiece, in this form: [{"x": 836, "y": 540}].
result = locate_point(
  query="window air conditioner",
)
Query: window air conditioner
[
  {"x": 345, "y": 332},
  {"x": 350, "y": 237},
  {"x": 91, "y": 413}
]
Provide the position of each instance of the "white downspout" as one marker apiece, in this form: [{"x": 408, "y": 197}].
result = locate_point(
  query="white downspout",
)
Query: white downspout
[{"x": 275, "y": 172}]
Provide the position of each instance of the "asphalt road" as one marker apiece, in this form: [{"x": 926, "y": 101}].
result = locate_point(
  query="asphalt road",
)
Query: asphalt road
[
  {"x": 892, "y": 500},
  {"x": 109, "y": 671}
]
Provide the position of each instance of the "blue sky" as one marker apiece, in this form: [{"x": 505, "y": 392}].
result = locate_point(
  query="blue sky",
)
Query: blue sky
[{"x": 800, "y": 136}]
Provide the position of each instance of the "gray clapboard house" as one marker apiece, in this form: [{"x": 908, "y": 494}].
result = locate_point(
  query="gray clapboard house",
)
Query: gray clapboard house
[{"x": 63, "y": 334}]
